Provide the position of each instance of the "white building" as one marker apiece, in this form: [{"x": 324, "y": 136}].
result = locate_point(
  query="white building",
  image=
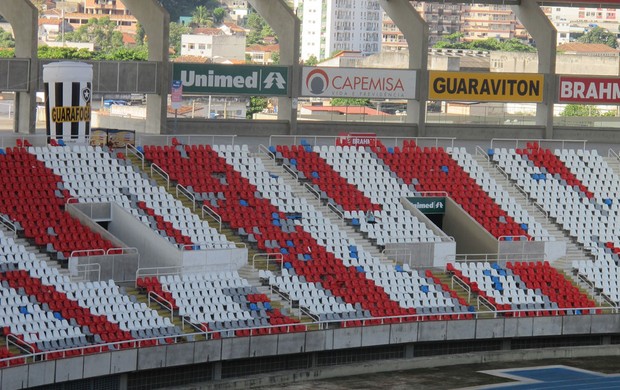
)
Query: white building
[
  {"x": 329, "y": 26},
  {"x": 212, "y": 43}
]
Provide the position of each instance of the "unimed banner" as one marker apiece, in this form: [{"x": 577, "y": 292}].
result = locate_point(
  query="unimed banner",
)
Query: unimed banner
[
  {"x": 486, "y": 87},
  {"x": 589, "y": 90},
  {"x": 358, "y": 83}
]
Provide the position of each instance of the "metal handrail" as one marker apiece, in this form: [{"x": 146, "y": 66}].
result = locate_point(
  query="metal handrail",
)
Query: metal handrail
[
  {"x": 187, "y": 193},
  {"x": 277, "y": 258},
  {"x": 86, "y": 269},
  {"x": 387, "y": 320},
  {"x": 209, "y": 211},
  {"x": 129, "y": 148},
  {"x": 88, "y": 252},
  {"x": 485, "y": 302},
  {"x": 162, "y": 301},
  {"x": 539, "y": 141},
  {"x": 124, "y": 251},
  {"x": 461, "y": 283},
  {"x": 396, "y": 253},
  {"x": 12, "y": 339},
  {"x": 265, "y": 150},
  {"x": 612, "y": 153},
  {"x": 313, "y": 191},
  {"x": 334, "y": 208},
  {"x": 495, "y": 257},
  {"x": 482, "y": 152},
  {"x": 8, "y": 224},
  {"x": 160, "y": 171},
  {"x": 291, "y": 171}
]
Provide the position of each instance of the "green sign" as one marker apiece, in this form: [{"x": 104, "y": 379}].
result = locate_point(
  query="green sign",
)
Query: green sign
[
  {"x": 429, "y": 204},
  {"x": 232, "y": 79}
]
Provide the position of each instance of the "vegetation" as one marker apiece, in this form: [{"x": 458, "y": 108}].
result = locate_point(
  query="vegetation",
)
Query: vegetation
[
  {"x": 599, "y": 35},
  {"x": 102, "y": 32},
  {"x": 257, "y": 104},
  {"x": 176, "y": 30},
  {"x": 583, "y": 110},
  {"x": 455, "y": 41},
  {"x": 259, "y": 29},
  {"x": 311, "y": 61},
  {"x": 202, "y": 17},
  {"x": 6, "y": 39},
  {"x": 350, "y": 102},
  {"x": 178, "y": 8}
]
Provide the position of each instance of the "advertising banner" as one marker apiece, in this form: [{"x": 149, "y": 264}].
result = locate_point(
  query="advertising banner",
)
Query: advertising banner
[
  {"x": 358, "y": 83},
  {"x": 209, "y": 79},
  {"x": 176, "y": 94},
  {"x": 589, "y": 90},
  {"x": 429, "y": 204},
  {"x": 486, "y": 87},
  {"x": 356, "y": 139}
]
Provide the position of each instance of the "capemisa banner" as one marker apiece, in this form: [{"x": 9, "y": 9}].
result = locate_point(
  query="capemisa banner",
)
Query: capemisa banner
[{"x": 358, "y": 83}]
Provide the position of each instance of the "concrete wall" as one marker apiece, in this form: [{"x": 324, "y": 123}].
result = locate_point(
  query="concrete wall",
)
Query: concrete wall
[
  {"x": 327, "y": 340},
  {"x": 576, "y": 64},
  {"x": 470, "y": 236}
]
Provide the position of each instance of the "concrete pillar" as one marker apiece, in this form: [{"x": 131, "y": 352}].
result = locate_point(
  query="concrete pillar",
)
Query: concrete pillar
[
  {"x": 415, "y": 31},
  {"x": 24, "y": 18},
  {"x": 287, "y": 27},
  {"x": 546, "y": 36},
  {"x": 156, "y": 22}
]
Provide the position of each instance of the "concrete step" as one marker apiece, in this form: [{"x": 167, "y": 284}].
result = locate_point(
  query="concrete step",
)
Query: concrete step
[{"x": 462, "y": 292}]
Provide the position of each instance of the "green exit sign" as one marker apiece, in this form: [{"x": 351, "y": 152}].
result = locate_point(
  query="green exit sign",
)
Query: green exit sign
[{"x": 429, "y": 204}]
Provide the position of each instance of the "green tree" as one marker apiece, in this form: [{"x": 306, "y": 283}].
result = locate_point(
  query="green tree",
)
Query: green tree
[
  {"x": 7, "y": 53},
  {"x": 257, "y": 104},
  {"x": 6, "y": 39},
  {"x": 454, "y": 41},
  {"x": 67, "y": 53},
  {"x": 580, "y": 110},
  {"x": 202, "y": 17},
  {"x": 516, "y": 45},
  {"x": 176, "y": 31},
  {"x": 218, "y": 15},
  {"x": 311, "y": 61},
  {"x": 349, "y": 102},
  {"x": 140, "y": 34},
  {"x": 275, "y": 57},
  {"x": 102, "y": 32},
  {"x": 255, "y": 25},
  {"x": 600, "y": 35}
]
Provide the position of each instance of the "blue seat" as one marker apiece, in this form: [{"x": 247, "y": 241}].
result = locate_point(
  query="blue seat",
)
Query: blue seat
[
  {"x": 272, "y": 149},
  {"x": 495, "y": 266},
  {"x": 293, "y": 162},
  {"x": 2, "y": 151},
  {"x": 243, "y": 202},
  {"x": 444, "y": 168},
  {"x": 486, "y": 272},
  {"x": 304, "y": 142},
  {"x": 524, "y": 226},
  {"x": 267, "y": 306},
  {"x": 390, "y": 150},
  {"x": 308, "y": 148},
  {"x": 140, "y": 149},
  {"x": 275, "y": 215},
  {"x": 490, "y": 152},
  {"x": 307, "y": 257},
  {"x": 288, "y": 265},
  {"x": 276, "y": 222},
  {"x": 253, "y": 306},
  {"x": 398, "y": 268},
  {"x": 355, "y": 221},
  {"x": 359, "y": 268},
  {"x": 315, "y": 174},
  {"x": 289, "y": 243},
  {"x": 424, "y": 288},
  {"x": 284, "y": 251},
  {"x": 61, "y": 142}
]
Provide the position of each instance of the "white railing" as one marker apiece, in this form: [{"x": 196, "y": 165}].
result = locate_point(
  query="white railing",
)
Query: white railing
[
  {"x": 88, "y": 252},
  {"x": 321, "y": 140},
  {"x": 84, "y": 271},
  {"x": 187, "y": 193},
  {"x": 499, "y": 258},
  {"x": 461, "y": 283},
  {"x": 210, "y": 212},
  {"x": 291, "y": 171},
  {"x": 159, "y": 170},
  {"x": 166, "y": 304},
  {"x": 397, "y": 254},
  {"x": 268, "y": 258},
  {"x": 313, "y": 191},
  {"x": 335, "y": 210},
  {"x": 550, "y": 143},
  {"x": 130, "y": 149},
  {"x": 482, "y": 301},
  {"x": 288, "y": 328},
  {"x": 9, "y": 225}
]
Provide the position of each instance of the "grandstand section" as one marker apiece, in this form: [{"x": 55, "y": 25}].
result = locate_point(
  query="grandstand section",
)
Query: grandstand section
[{"x": 304, "y": 208}]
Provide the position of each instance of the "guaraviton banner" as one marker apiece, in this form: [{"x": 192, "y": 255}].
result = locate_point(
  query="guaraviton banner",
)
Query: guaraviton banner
[
  {"x": 486, "y": 87},
  {"x": 575, "y": 89},
  {"x": 358, "y": 83}
]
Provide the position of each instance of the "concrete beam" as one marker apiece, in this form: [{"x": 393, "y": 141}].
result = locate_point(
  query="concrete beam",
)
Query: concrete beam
[
  {"x": 546, "y": 36},
  {"x": 156, "y": 22},
  {"x": 23, "y": 17},
  {"x": 415, "y": 31},
  {"x": 287, "y": 27}
]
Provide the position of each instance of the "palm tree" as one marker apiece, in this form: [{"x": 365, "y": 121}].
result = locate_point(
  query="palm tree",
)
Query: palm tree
[{"x": 202, "y": 17}]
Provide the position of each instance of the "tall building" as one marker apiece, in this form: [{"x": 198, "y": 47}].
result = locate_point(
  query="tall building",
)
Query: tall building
[{"x": 330, "y": 26}]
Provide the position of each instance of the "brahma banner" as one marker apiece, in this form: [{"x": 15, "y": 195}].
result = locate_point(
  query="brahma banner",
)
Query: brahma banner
[
  {"x": 589, "y": 90},
  {"x": 358, "y": 83},
  {"x": 356, "y": 139}
]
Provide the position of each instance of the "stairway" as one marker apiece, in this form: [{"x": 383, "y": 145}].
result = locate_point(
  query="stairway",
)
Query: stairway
[
  {"x": 574, "y": 250},
  {"x": 482, "y": 311},
  {"x": 613, "y": 163},
  {"x": 38, "y": 254},
  {"x": 300, "y": 191}
]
